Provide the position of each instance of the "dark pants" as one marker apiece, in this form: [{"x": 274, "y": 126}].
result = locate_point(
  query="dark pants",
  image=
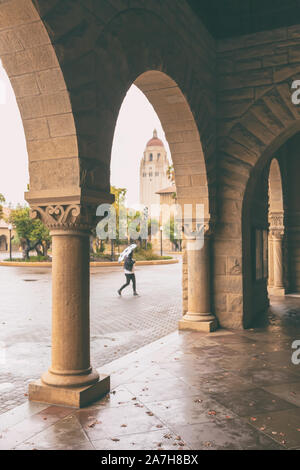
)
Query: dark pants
[{"x": 129, "y": 277}]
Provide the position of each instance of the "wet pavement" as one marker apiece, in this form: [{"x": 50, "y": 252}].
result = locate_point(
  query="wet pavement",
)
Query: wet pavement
[
  {"x": 118, "y": 325},
  {"x": 228, "y": 390}
]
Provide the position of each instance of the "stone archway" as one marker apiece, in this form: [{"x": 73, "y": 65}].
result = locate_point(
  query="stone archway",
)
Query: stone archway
[
  {"x": 245, "y": 151},
  {"x": 192, "y": 188},
  {"x": 33, "y": 68},
  {"x": 58, "y": 194},
  {"x": 70, "y": 74}
]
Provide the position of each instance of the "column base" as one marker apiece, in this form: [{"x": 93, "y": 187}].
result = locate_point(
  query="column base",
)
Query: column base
[
  {"x": 76, "y": 397},
  {"x": 207, "y": 326},
  {"x": 279, "y": 291}
]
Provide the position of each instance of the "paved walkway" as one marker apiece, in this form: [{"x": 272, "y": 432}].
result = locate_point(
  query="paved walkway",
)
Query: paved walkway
[
  {"x": 118, "y": 325},
  {"x": 226, "y": 390}
]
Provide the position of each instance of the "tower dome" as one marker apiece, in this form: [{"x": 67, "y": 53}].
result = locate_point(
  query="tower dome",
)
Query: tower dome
[
  {"x": 155, "y": 141},
  {"x": 153, "y": 171}
]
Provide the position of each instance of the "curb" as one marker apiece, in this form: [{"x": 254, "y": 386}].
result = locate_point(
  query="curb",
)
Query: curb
[{"x": 93, "y": 264}]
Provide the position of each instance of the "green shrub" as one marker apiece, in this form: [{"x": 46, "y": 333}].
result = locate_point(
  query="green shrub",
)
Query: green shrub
[{"x": 31, "y": 259}]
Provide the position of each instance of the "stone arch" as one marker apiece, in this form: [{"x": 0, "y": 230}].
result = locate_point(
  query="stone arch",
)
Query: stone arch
[
  {"x": 33, "y": 68},
  {"x": 71, "y": 64},
  {"x": 3, "y": 243},
  {"x": 102, "y": 62},
  {"x": 102, "y": 54},
  {"x": 182, "y": 135},
  {"x": 275, "y": 188},
  {"x": 245, "y": 152}
]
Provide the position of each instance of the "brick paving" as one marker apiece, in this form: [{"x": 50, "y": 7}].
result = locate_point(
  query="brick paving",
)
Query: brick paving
[{"x": 118, "y": 325}]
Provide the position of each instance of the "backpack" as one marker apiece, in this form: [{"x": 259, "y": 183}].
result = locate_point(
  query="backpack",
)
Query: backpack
[{"x": 128, "y": 263}]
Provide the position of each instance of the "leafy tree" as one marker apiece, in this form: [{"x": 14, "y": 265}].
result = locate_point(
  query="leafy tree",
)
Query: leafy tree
[
  {"x": 153, "y": 227},
  {"x": 119, "y": 204},
  {"x": 32, "y": 233},
  {"x": 2, "y": 200},
  {"x": 172, "y": 230},
  {"x": 171, "y": 178},
  {"x": 171, "y": 173}
]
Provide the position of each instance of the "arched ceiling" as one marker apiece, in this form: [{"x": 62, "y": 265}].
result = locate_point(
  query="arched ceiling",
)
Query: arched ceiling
[{"x": 229, "y": 18}]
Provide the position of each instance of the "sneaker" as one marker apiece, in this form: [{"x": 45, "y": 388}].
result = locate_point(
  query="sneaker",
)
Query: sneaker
[
  {"x": 119, "y": 292},
  {"x": 135, "y": 293}
]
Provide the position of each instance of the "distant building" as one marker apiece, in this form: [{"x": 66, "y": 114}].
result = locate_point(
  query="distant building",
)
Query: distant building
[
  {"x": 4, "y": 231},
  {"x": 156, "y": 188},
  {"x": 153, "y": 171}
]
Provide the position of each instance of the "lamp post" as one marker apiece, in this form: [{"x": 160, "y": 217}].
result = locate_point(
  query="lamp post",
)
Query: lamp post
[
  {"x": 10, "y": 239},
  {"x": 161, "y": 240}
]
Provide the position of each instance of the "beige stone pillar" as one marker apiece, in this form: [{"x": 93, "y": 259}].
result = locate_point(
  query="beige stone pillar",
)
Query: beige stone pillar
[
  {"x": 70, "y": 380},
  {"x": 278, "y": 287},
  {"x": 199, "y": 316},
  {"x": 270, "y": 262},
  {"x": 276, "y": 284}
]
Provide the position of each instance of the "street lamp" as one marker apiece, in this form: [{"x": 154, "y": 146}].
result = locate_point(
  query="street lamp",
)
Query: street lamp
[
  {"x": 10, "y": 227},
  {"x": 161, "y": 240}
]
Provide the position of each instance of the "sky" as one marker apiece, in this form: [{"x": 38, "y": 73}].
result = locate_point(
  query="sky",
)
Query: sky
[{"x": 135, "y": 125}]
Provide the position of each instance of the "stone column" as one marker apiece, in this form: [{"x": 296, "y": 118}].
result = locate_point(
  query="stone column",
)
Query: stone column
[
  {"x": 278, "y": 287},
  {"x": 70, "y": 380},
  {"x": 270, "y": 262},
  {"x": 199, "y": 316},
  {"x": 277, "y": 236}
]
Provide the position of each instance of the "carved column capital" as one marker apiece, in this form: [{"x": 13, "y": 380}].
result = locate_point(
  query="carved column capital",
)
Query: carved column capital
[
  {"x": 276, "y": 221},
  {"x": 66, "y": 217}
]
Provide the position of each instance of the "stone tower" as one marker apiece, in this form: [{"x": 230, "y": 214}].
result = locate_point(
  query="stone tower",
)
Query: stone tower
[{"x": 153, "y": 171}]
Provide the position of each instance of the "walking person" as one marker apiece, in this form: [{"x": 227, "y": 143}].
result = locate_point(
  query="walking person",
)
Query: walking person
[{"x": 129, "y": 274}]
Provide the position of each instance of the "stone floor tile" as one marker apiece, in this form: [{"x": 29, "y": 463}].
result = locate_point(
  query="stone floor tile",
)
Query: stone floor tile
[
  {"x": 192, "y": 368},
  {"x": 225, "y": 435},
  {"x": 189, "y": 410},
  {"x": 247, "y": 402},
  {"x": 20, "y": 432},
  {"x": 268, "y": 376},
  {"x": 219, "y": 351},
  {"x": 66, "y": 434},
  {"x": 161, "y": 390},
  {"x": 155, "y": 440},
  {"x": 153, "y": 373},
  {"x": 282, "y": 426},
  {"x": 242, "y": 362},
  {"x": 110, "y": 423},
  {"x": 218, "y": 382},
  {"x": 118, "y": 397},
  {"x": 289, "y": 392}
]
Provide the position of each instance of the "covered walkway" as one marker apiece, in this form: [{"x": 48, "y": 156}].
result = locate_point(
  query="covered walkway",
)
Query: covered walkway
[{"x": 228, "y": 390}]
